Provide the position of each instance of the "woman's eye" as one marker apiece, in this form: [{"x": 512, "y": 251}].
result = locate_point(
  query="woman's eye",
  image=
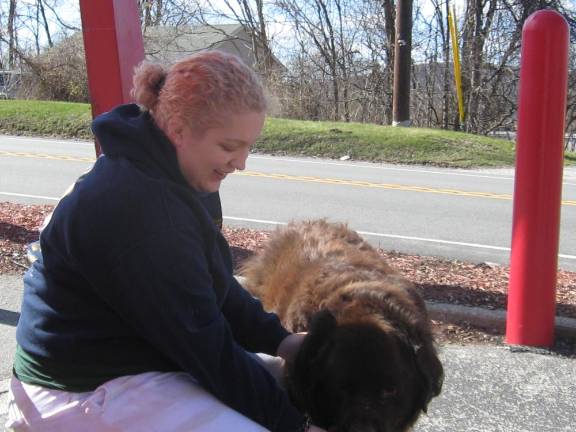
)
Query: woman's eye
[{"x": 227, "y": 148}]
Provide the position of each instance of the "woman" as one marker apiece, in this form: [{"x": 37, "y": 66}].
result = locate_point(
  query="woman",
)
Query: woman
[{"x": 131, "y": 318}]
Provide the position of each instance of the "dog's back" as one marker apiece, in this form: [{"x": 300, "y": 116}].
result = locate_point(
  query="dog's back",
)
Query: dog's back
[{"x": 305, "y": 263}]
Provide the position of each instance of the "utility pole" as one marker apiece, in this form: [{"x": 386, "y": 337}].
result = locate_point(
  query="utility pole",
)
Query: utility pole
[{"x": 402, "y": 64}]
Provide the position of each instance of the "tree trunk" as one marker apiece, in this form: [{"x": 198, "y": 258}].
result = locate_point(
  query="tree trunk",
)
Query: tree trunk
[
  {"x": 343, "y": 62},
  {"x": 333, "y": 56},
  {"x": 146, "y": 13},
  {"x": 446, "y": 43},
  {"x": 45, "y": 22},
  {"x": 335, "y": 91},
  {"x": 267, "y": 60},
  {"x": 466, "y": 56},
  {"x": 159, "y": 12},
  {"x": 11, "y": 35}
]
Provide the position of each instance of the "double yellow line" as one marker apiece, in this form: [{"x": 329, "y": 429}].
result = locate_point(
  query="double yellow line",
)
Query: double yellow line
[
  {"x": 47, "y": 156},
  {"x": 312, "y": 179},
  {"x": 389, "y": 186}
]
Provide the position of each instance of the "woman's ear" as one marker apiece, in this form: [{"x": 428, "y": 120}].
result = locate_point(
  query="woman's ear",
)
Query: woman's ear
[{"x": 175, "y": 131}]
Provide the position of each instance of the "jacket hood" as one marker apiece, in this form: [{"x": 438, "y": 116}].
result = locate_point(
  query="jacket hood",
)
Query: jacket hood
[{"x": 129, "y": 132}]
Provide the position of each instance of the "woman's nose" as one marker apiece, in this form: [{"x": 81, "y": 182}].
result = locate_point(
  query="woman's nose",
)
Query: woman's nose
[{"x": 239, "y": 162}]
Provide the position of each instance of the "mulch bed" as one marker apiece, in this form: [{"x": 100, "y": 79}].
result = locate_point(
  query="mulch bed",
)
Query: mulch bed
[
  {"x": 437, "y": 279},
  {"x": 440, "y": 280}
]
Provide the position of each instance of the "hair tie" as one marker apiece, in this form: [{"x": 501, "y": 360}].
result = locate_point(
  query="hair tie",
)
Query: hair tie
[{"x": 160, "y": 84}]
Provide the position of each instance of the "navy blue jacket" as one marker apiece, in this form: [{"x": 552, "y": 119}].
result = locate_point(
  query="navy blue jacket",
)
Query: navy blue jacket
[{"x": 135, "y": 276}]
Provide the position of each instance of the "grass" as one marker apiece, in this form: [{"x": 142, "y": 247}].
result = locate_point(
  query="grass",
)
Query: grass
[
  {"x": 44, "y": 118},
  {"x": 294, "y": 137},
  {"x": 384, "y": 144}
]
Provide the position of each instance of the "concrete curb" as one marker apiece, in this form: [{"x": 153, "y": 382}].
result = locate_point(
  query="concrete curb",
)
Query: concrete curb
[
  {"x": 565, "y": 327},
  {"x": 482, "y": 317}
]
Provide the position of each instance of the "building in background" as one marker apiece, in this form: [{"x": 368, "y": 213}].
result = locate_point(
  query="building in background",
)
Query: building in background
[{"x": 169, "y": 44}]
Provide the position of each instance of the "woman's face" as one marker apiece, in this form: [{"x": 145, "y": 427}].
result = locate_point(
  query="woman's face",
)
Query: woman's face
[{"x": 206, "y": 159}]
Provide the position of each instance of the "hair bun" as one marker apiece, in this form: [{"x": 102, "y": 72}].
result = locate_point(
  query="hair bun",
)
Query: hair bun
[{"x": 148, "y": 81}]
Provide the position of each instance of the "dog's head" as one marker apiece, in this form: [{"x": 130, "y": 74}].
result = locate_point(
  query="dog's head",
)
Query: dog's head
[{"x": 362, "y": 377}]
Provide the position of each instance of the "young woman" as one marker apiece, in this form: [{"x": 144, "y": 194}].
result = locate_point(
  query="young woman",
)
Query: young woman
[{"x": 131, "y": 318}]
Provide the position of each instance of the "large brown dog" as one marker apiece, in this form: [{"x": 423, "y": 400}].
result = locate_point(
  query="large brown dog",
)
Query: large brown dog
[{"x": 368, "y": 362}]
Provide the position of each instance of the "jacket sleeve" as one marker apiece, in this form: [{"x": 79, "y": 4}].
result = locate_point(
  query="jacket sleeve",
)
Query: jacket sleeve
[
  {"x": 163, "y": 288},
  {"x": 255, "y": 329}
]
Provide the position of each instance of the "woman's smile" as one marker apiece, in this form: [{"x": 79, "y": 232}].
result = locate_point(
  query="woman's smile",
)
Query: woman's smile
[{"x": 222, "y": 174}]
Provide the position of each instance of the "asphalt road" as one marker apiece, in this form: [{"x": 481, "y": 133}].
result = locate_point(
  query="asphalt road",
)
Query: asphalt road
[{"x": 451, "y": 213}]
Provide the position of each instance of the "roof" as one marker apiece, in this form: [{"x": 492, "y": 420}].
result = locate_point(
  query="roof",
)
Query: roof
[{"x": 168, "y": 44}]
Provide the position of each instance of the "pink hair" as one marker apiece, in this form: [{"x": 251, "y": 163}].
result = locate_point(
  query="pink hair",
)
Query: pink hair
[{"x": 199, "y": 91}]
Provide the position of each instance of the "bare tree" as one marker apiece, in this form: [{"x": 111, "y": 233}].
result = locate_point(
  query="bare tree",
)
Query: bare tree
[
  {"x": 377, "y": 19},
  {"x": 338, "y": 56},
  {"x": 328, "y": 39},
  {"x": 174, "y": 13},
  {"x": 431, "y": 76},
  {"x": 11, "y": 34},
  {"x": 251, "y": 14},
  {"x": 30, "y": 27},
  {"x": 42, "y": 12}
]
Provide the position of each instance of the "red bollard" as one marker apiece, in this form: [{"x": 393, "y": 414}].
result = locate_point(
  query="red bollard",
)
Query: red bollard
[
  {"x": 538, "y": 180},
  {"x": 113, "y": 46}
]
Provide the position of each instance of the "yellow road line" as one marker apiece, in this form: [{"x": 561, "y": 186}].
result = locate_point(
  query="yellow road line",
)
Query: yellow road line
[
  {"x": 312, "y": 179},
  {"x": 47, "y": 156},
  {"x": 390, "y": 186}
]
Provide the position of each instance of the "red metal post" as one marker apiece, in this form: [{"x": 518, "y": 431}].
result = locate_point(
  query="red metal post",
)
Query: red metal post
[
  {"x": 113, "y": 46},
  {"x": 538, "y": 180}
]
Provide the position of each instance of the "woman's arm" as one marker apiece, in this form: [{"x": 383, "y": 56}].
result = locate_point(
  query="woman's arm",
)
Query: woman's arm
[
  {"x": 163, "y": 288},
  {"x": 253, "y": 328}
]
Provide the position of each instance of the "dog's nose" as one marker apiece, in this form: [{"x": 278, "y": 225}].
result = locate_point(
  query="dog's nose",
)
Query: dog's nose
[{"x": 366, "y": 426}]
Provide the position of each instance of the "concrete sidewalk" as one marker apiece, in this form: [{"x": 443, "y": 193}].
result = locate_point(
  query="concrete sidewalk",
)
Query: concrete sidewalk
[
  {"x": 503, "y": 389},
  {"x": 487, "y": 388},
  {"x": 10, "y": 298}
]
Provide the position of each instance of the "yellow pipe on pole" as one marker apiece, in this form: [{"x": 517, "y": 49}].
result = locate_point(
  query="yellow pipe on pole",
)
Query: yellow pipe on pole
[{"x": 457, "y": 72}]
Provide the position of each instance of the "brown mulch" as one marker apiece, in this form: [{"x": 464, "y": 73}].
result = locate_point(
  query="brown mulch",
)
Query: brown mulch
[
  {"x": 440, "y": 280},
  {"x": 19, "y": 225},
  {"x": 437, "y": 279},
  {"x": 446, "y": 281}
]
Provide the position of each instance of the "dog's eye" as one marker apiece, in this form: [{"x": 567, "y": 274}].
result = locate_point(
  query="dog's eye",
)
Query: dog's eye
[
  {"x": 387, "y": 393},
  {"x": 346, "y": 298}
]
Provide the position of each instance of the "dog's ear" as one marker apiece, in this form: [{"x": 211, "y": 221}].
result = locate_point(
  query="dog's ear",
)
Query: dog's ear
[
  {"x": 322, "y": 324},
  {"x": 421, "y": 343},
  {"x": 300, "y": 377},
  {"x": 432, "y": 371}
]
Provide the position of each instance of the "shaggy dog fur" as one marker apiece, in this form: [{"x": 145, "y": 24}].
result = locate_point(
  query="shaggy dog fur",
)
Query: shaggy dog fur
[{"x": 368, "y": 362}]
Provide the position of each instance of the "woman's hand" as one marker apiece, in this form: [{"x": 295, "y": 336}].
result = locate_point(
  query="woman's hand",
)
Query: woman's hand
[
  {"x": 288, "y": 349},
  {"x": 290, "y": 346},
  {"x": 313, "y": 428}
]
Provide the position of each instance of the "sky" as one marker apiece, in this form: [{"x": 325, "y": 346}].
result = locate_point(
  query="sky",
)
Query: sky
[{"x": 69, "y": 12}]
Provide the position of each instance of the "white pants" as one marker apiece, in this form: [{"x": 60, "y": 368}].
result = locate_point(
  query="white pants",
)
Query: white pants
[{"x": 152, "y": 401}]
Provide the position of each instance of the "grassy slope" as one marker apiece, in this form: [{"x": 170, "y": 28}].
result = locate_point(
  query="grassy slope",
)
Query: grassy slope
[
  {"x": 43, "y": 118},
  {"x": 292, "y": 137},
  {"x": 384, "y": 143}
]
